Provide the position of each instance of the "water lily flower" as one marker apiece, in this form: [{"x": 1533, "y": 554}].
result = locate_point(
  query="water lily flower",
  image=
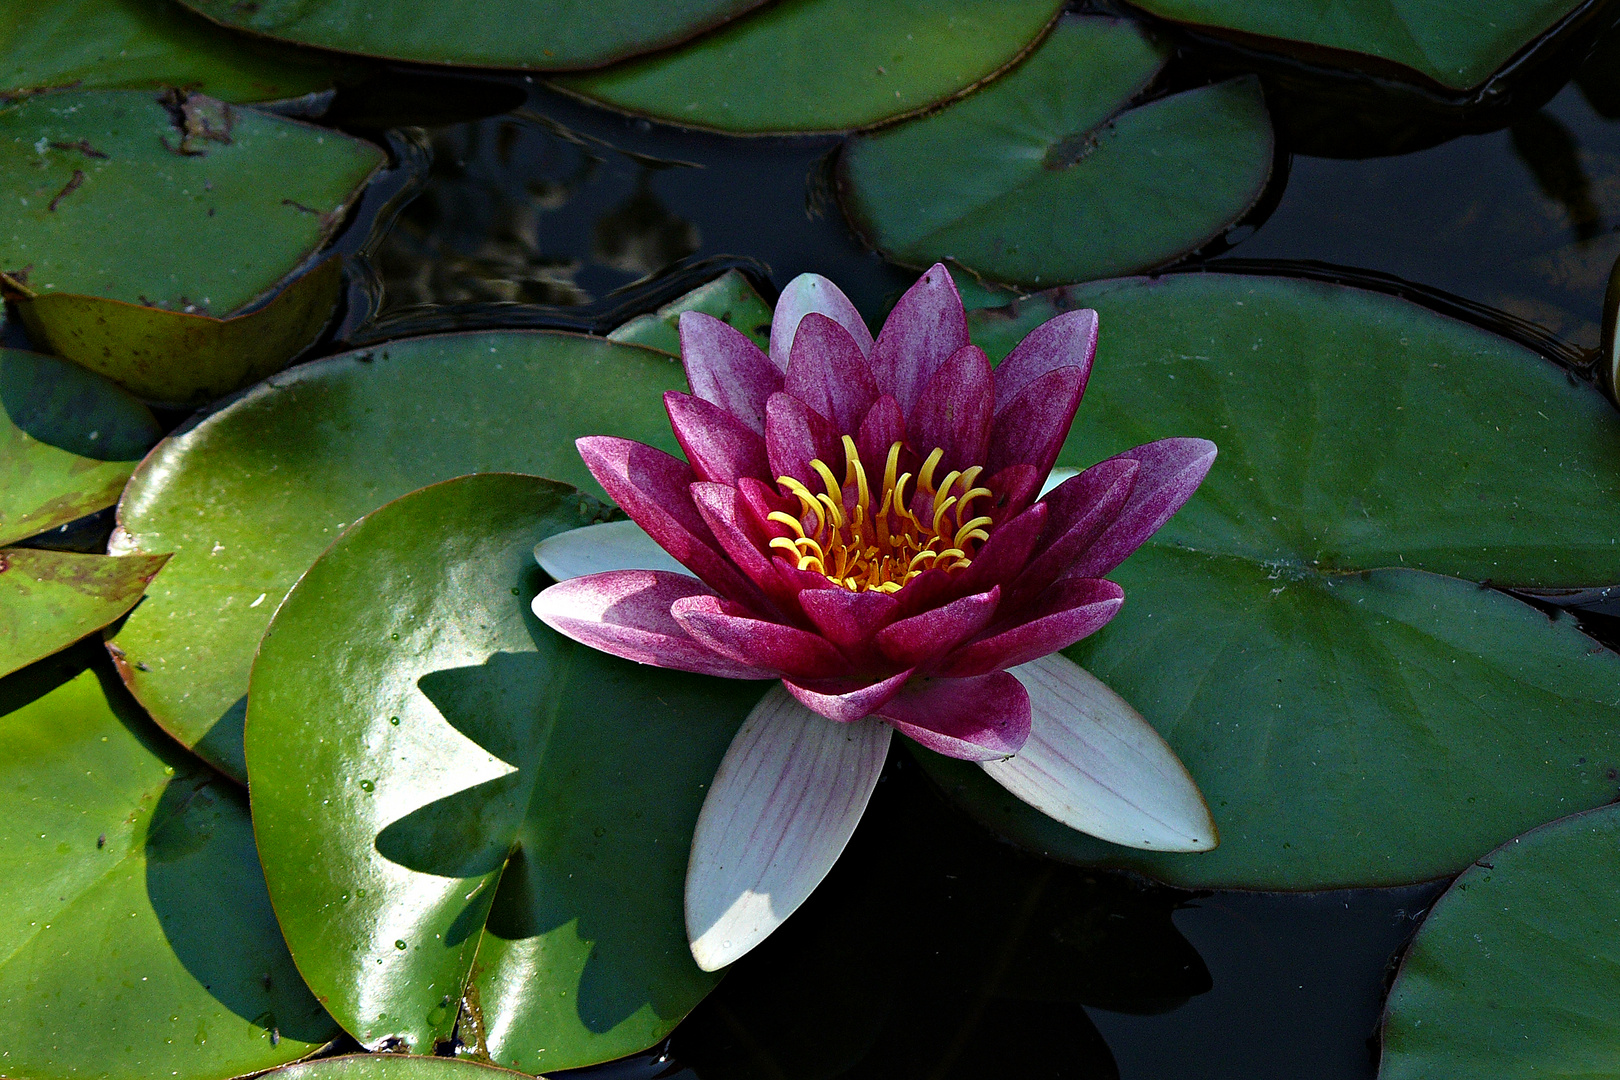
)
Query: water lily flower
[{"x": 864, "y": 522}]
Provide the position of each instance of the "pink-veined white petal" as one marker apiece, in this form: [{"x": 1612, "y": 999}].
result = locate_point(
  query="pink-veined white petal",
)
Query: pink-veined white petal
[{"x": 596, "y": 549}]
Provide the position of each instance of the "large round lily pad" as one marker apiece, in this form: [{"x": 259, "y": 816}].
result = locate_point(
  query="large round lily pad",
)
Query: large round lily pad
[
  {"x": 1048, "y": 175},
  {"x": 824, "y": 65},
  {"x": 1309, "y": 632},
  {"x": 172, "y": 202},
  {"x": 1434, "y": 39},
  {"x": 1516, "y": 971},
  {"x": 136, "y": 935},
  {"x": 461, "y": 811},
  {"x": 68, "y": 442},
  {"x": 536, "y": 35},
  {"x": 136, "y": 44},
  {"x": 248, "y": 497}
]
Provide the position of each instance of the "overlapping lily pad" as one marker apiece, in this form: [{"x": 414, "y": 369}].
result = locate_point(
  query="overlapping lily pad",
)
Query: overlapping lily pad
[
  {"x": 1048, "y": 175},
  {"x": 824, "y": 65},
  {"x": 280, "y": 472},
  {"x": 136, "y": 935},
  {"x": 729, "y": 298},
  {"x": 1309, "y": 632},
  {"x": 1433, "y": 39},
  {"x": 1516, "y": 971},
  {"x": 460, "y": 811},
  {"x": 137, "y": 44},
  {"x": 50, "y": 599},
  {"x": 184, "y": 206},
  {"x": 548, "y": 35}
]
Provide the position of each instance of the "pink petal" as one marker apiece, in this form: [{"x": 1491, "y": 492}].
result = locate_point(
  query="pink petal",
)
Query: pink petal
[
  {"x": 923, "y": 330},
  {"x": 807, "y": 293},
  {"x": 655, "y": 490},
  {"x": 1070, "y": 340},
  {"x": 829, "y": 372},
  {"x": 784, "y": 802},
  {"x": 882, "y": 427},
  {"x": 626, "y": 613},
  {"x": 1006, "y": 552},
  {"x": 1066, "y": 612},
  {"x": 1094, "y": 764},
  {"x": 846, "y": 700},
  {"x": 719, "y": 446},
  {"x": 953, "y": 412},
  {"x": 732, "y": 631},
  {"x": 849, "y": 619},
  {"x": 922, "y": 638},
  {"x": 724, "y": 368},
  {"x": 973, "y": 719},
  {"x": 727, "y": 519},
  {"x": 795, "y": 433},
  {"x": 1032, "y": 427},
  {"x": 1168, "y": 473},
  {"x": 1081, "y": 508}
]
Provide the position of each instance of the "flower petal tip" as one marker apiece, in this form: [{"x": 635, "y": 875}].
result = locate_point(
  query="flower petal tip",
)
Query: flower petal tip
[{"x": 597, "y": 549}]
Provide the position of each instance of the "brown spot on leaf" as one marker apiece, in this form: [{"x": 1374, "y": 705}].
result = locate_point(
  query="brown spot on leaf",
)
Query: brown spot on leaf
[
  {"x": 67, "y": 189},
  {"x": 82, "y": 146}
]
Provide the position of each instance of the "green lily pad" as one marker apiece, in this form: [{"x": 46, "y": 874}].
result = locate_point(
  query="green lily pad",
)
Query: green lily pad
[
  {"x": 824, "y": 65},
  {"x": 136, "y": 932},
  {"x": 1516, "y": 971},
  {"x": 141, "y": 44},
  {"x": 549, "y": 35},
  {"x": 1308, "y": 632},
  {"x": 68, "y": 441},
  {"x": 1049, "y": 176},
  {"x": 173, "y": 202},
  {"x": 50, "y": 599},
  {"x": 391, "y": 1067},
  {"x": 278, "y": 473},
  {"x": 729, "y": 298},
  {"x": 1432, "y": 39},
  {"x": 459, "y": 810}
]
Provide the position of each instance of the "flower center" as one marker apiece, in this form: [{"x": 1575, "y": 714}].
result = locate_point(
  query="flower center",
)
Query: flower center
[{"x": 880, "y": 539}]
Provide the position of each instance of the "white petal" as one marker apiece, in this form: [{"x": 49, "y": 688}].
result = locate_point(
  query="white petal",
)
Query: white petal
[
  {"x": 807, "y": 293},
  {"x": 1056, "y": 477},
  {"x": 596, "y": 549},
  {"x": 784, "y": 802},
  {"x": 1094, "y": 764}
]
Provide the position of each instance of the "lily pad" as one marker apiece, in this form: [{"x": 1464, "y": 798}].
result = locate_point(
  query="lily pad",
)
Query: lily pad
[
  {"x": 173, "y": 202},
  {"x": 68, "y": 441},
  {"x": 824, "y": 65},
  {"x": 1426, "y": 37},
  {"x": 535, "y": 35},
  {"x": 50, "y": 599},
  {"x": 140, "y": 44},
  {"x": 729, "y": 298},
  {"x": 278, "y": 473},
  {"x": 137, "y": 936},
  {"x": 460, "y": 810},
  {"x": 1516, "y": 971},
  {"x": 1309, "y": 632},
  {"x": 1049, "y": 175}
]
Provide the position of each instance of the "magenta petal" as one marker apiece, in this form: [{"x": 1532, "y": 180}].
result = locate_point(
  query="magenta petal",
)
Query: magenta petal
[
  {"x": 828, "y": 372},
  {"x": 921, "y": 333},
  {"x": 916, "y": 641},
  {"x": 719, "y": 446},
  {"x": 1066, "y": 612},
  {"x": 626, "y": 613},
  {"x": 795, "y": 433},
  {"x": 724, "y": 368},
  {"x": 1007, "y": 551},
  {"x": 1168, "y": 472},
  {"x": 726, "y": 517},
  {"x": 1013, "y": 489},
  {"x": 732, "y": 631},
  {"x": 1032, "y": 427},
  {"x": 846, "y": 700},
  {"x": 1070, "y": 340},
  {"x": 849, "y": 619},
  {"x": 953, "y": 412},
  {"x": 655, "y": 490},
  {"x": 1081, "y": 508},
  {"x": 978, "y": 719},
  {"x": 807, "y": 293},
  {"x": 882, "y": 427}
]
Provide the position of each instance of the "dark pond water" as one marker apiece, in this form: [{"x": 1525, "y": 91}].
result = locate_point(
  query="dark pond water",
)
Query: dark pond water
[{"x": 934, "y": 952}]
